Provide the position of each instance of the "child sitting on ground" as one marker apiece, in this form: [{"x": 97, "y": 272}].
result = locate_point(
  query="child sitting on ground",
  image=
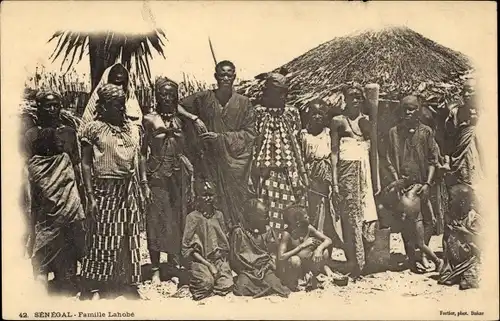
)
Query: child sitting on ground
[
  {"x": 253, "y": 248},
  {"x": 205, "y": 247},
  {"x": 302, "y": 250},
  {"x": 460, "y": 240}
]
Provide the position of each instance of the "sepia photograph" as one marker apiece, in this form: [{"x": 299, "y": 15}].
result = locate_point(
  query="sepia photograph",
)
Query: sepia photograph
[{"x": 325, "y": 160}]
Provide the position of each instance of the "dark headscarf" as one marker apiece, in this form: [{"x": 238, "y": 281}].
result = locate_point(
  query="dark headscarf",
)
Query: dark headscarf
[
  {"x": 110, "y": 92},
  {"x": 163, "y": 82},
  {"x": 46, "y": 94},
  {"x": 276, "y": 80}
]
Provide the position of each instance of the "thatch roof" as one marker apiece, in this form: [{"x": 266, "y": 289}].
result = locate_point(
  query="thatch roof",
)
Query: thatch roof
[{"x": 399, "y": 59}]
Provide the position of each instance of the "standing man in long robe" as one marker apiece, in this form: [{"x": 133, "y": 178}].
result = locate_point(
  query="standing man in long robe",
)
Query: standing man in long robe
[{"x": 224, "y": 122}]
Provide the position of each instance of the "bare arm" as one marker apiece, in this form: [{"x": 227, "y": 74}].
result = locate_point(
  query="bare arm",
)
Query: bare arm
[
  {"x": 283, "y": 255},
  {"x": 183, "y": 112},
  {"x": 87, "y": 159},
  {"x": 199, "y": 258},
  {"x": 326, "y": 241},
  {"x": 430, "y": 176},
  {"x": 390, "y": 165},
  {"x": 334, "y": 133}
]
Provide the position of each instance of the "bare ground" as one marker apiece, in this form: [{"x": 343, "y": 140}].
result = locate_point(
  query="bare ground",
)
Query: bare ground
[{"x": 397, "y": 281}]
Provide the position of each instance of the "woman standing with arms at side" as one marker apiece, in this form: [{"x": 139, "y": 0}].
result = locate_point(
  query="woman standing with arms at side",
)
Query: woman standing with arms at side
[
  {"x": 352, "y": 181},
  {"x": 169, "y": 176},
  {"x": 111, "y": 150}
]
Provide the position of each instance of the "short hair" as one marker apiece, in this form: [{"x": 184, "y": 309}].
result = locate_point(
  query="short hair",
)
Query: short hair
[
  {"x": 293, "y": 214},
  {"x": 223, "y": 63},
  {"x": 352, "y": 86},
  {"x": 317, "y": 101}
]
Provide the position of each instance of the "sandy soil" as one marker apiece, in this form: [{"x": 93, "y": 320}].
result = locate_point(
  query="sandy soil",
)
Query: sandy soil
[
  {"x": 397, "y": 281},
  {"x": 392, "y": 294}
]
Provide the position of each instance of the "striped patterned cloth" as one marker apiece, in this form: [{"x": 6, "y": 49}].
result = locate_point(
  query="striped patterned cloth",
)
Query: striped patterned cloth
[
  {"x": 115, "y": 148},
  {"x": 113, "y": 239}
]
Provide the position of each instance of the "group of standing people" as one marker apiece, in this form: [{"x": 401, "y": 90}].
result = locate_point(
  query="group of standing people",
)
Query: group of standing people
[{"x": 225, "y": 186}]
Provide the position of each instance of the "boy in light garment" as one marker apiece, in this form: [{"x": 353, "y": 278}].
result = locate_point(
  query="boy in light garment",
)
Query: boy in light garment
[
  {"x": 205, "y": 246},
  {"x": 253, "y": 254},
  {"x": 302, "y": 250}
]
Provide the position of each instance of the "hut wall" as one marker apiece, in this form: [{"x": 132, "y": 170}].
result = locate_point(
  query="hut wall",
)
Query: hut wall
[{"x": 388, "y": 117}]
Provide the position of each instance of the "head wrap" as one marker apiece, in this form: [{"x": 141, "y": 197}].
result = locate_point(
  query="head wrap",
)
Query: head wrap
[
  {"x": 163, "y": 82},
  {"x": 133, "y": 109},
  {"x": 202, "y": 187},
  {"x": 276, "y": 80},
  {"x": 110, "y": 92},
  {"x": 46, "y": 94}
]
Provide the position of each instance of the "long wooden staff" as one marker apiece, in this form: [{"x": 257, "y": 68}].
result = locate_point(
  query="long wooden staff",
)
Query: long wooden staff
[
  {"x": 372, "y": 97},
  {"x": 212, "y": 50}
]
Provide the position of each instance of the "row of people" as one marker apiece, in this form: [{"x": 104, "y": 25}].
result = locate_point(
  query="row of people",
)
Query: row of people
[{"x": 216, "y": 137}]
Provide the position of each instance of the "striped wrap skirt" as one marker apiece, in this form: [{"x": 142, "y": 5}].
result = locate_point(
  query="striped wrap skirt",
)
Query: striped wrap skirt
[{"x": 113, "y": 238}]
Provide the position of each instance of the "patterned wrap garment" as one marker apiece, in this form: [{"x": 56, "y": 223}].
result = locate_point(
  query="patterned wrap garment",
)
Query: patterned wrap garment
[
  {"x": 278, "y": 170},
  {"x": 113, "y": 239}
]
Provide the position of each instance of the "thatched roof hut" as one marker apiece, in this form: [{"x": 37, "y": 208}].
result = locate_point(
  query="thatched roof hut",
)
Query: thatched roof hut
[{"x": 399, "y": 59}]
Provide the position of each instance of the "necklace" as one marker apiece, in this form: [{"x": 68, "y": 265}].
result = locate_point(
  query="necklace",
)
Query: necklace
[
  {"x": 409, "y": 138},
  {"x": 352, "y": 129}
]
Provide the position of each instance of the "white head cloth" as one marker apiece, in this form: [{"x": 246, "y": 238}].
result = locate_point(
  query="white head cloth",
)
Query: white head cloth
[{"x": 131, "y": 106}]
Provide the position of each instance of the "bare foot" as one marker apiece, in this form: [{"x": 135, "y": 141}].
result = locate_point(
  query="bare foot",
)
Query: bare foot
[
  {"x": 155, "y": 279},
  {"x": 95, "y": 296},
  {"x": 440, "y": 266},
  {"x": 425, "y": 262}
]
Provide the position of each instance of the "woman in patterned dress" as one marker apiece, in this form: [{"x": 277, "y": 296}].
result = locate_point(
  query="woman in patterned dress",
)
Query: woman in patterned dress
[
  {"x": 352, "y": 181},
  {"x": 111, "y": 151},
  {"x": 278, "y": 173}
]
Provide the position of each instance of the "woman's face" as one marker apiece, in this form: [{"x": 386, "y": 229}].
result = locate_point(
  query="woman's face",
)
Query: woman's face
[
  {"x": 300, "y": 227},
  {"x": 118, "y": 76},
  {"x": 275, "y": 96},
  {"x": 115, "y": 110},
  {"x": 354, "y": 100},
  {"x": 167, "y": 98},
  {"x": 316, "y": 117},
  {"x": 50, "y": 108},
  {"x": 259, "y": 219}
]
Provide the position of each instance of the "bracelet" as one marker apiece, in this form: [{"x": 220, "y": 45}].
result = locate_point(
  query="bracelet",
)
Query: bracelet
[
  {"x": 144, "y": 182},
  {"x": 426, "y": 183},
  {"x": 195, "y": 118}
]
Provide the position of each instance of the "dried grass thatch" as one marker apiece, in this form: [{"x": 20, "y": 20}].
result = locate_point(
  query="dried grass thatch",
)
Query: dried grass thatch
[{"x": 399, "y": 59}]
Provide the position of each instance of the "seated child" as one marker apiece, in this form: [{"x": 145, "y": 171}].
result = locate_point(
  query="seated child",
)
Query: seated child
[
  {"x": 252, "y": 254},
  {"x": 205, "y": 247},
  {"x": 302, "y": 250},
  {"x": 460, "y": 246}
]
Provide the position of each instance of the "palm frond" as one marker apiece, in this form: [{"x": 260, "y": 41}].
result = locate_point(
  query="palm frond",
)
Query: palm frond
[{"x": 133, "y": 48}]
